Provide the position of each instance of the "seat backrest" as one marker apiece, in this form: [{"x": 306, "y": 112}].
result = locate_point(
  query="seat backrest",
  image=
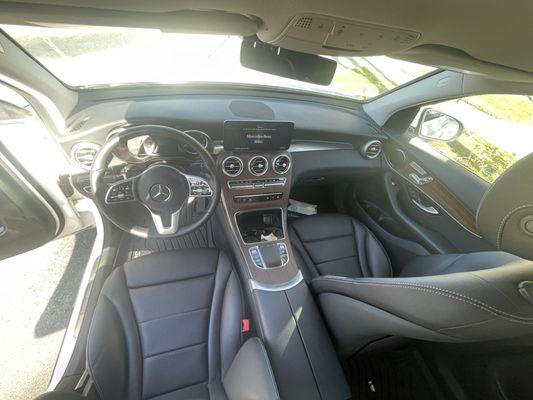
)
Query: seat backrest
[
  {"x": 166, "y": 323},
  {"x": 336, "y": 244}
]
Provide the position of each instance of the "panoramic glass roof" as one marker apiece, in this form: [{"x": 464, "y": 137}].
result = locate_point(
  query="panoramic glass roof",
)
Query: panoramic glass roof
[{"x": 97, "y": 56}]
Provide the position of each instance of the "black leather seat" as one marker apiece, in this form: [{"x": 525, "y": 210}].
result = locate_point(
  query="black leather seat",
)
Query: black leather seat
[
  {"x": 449, "y": 297},
  {"x": 168, "y": 326},
  {"x": 337, "y": 244}
]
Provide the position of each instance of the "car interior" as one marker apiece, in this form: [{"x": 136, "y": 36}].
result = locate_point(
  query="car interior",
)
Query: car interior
[{"x": 260, "y": 240}]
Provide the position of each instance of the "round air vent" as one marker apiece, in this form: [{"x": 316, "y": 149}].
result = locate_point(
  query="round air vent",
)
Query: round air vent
[
  {"x": 232, "y": 166},
  {"x": 371, "y": 149},
  {"x": 84, "y": 154},
  {"x": 258, "y": 165},
  {"x": 281, "y": 164}
]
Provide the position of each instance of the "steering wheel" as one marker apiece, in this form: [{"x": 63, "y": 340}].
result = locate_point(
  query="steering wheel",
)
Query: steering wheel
[{"x": 161, "y": 193}]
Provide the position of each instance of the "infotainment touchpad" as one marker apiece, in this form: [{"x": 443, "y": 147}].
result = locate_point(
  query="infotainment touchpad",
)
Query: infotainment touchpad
[{"x": 257, "y": 135}]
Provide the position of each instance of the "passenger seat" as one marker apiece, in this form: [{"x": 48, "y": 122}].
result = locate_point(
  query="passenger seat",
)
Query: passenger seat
[{"x": 339, "y": 245}]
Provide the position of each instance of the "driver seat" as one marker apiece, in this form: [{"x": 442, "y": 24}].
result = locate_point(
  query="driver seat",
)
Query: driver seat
[{"x": 168, "y": 326}]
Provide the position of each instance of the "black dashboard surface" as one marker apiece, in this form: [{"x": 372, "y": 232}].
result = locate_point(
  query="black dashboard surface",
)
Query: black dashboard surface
[
  {"x": 319, "y": 129},
  {"x": 207, "y": 113}
]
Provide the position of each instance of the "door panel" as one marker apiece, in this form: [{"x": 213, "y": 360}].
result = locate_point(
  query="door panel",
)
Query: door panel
[
  {"x": 27, "y": 220},
  {"x": 425, "y": 190},
  {"x": 442, "y": 220}
]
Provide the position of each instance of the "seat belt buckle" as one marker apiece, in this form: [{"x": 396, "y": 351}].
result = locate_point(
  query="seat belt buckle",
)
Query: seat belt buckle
[{"x": 245, "y": 325}]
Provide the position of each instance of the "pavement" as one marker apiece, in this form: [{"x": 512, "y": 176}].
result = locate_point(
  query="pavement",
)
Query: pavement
[{"x": 37, "y": 293}]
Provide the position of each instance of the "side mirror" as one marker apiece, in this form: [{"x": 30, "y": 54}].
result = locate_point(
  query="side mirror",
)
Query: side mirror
[{"x": 435, "y": 125}]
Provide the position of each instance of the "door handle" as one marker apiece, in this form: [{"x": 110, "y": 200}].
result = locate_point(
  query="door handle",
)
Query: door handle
[
  {"x": 427, "y": 209},
  {"x": 419, "y": 181}
]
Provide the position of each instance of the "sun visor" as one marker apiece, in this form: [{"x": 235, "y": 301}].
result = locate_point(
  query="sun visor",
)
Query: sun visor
[
  {"x": 454, "y": 59},
  {"x": 184, "y": 21}
]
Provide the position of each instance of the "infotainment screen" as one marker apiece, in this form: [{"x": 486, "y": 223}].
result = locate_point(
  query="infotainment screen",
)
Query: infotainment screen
[{"x": 257, "y": 135}]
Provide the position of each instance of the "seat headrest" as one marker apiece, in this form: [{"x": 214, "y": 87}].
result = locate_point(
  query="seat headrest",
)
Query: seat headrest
[{"x": 505, "y": 214}]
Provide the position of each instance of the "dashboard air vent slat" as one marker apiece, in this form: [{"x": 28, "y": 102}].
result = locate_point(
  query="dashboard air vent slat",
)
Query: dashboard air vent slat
[
  {"x": 258, "y": 165},
  {"x": 281, "y": 164},
  {"x": 371, "y": 149},
  {"x": 232, "y": 166},
  {"x": 84, "y": 154}
]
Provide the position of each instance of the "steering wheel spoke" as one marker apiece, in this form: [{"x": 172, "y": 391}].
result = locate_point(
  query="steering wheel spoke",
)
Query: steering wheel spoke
[
  {"x": 165, "y": 222},
  {"x": 198, "y": 186},
  {"x": 121, "y": 192}
]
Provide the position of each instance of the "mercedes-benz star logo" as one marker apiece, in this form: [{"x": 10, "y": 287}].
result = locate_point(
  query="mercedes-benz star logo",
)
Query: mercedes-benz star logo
[{"x": 160, "y": 192}]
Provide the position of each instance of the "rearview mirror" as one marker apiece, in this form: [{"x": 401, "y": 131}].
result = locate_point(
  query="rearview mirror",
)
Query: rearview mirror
[
  {"x": 435, "y": 125},
  {"x": 290, "y": 64}
]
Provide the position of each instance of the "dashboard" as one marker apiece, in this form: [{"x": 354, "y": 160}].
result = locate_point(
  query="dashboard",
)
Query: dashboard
[{"x": 325, "y": 141}]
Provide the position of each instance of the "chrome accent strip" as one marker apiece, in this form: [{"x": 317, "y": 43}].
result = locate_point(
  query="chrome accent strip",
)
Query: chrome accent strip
[
  {"x": 240, "y": 164},
  {"x": 281, "y": 181},
  {"x": 254, "y": 285},
  {"x": 244, "y": 196},
  {"x": 250, "y": 163},
  {"x": 274, "y": 164}
]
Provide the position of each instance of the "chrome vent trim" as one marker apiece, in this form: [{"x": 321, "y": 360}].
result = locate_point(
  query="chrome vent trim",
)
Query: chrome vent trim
[
  {"x": 232, "y": 166},
  {"x": 258, "y": 165},
  {"x": 281, "y": 164},
  {"x": 84, "y": 154},
  {"x": 371, "y": 149}
]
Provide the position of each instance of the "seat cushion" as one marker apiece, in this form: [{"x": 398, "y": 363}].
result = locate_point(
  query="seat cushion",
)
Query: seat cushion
[
  {"x": 166, "y": 326},
  {"x": 439, "y": 264},
  {"x": 337, "y": 244}
]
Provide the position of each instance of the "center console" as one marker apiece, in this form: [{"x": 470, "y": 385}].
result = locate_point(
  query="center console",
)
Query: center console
[
  {"x": 255, "y": 174},
  {"x": 255, "y": 178}
]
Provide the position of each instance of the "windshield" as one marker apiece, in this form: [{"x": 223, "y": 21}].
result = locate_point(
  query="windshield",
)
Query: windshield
[{"x": 95, "y": 56}]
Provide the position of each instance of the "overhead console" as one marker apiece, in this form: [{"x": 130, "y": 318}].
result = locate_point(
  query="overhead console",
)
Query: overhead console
[{"x": 321, "y": 34}]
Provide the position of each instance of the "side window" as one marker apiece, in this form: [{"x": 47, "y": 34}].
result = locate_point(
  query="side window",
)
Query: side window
[{"x": 486, "y": 134}]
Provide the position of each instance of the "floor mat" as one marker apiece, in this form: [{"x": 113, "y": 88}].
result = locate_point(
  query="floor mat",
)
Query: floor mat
[
  {"x": 396, "y": 375},
  {"x": 200, "y": 238}
]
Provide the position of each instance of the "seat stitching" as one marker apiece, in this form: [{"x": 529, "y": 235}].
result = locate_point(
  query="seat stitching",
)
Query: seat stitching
[
  {"x": 88, "y": 351},
  {"x": 335, "y": 259},
  {"x": 220, "y": 346},
  {"x": 356, "y": 242},
  {"x": 178, "y": 349},
  {"x": 444, "y": 292},
  {"x": 172, "y": 281},
  {"x": 382, "y": 249},
  {"x": 174, "y": 315},
  {"x": 178, "y": 388},
  {"x": 327, "y": 238},
  {"x": 311, "y": 267},
  {"x": 504, "y": 219},
  {"x": 269, "y": 368}
]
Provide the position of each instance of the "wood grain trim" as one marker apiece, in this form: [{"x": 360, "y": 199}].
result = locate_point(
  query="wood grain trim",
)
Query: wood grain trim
[{"x": 435, "y": 190}]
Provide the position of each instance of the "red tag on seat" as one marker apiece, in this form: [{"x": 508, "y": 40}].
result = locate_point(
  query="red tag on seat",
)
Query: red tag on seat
[{"x": 245, "y": 325}]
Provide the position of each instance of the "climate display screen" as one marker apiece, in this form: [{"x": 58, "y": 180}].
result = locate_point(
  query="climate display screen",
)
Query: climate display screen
[{"x": 257, "y": 135}]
